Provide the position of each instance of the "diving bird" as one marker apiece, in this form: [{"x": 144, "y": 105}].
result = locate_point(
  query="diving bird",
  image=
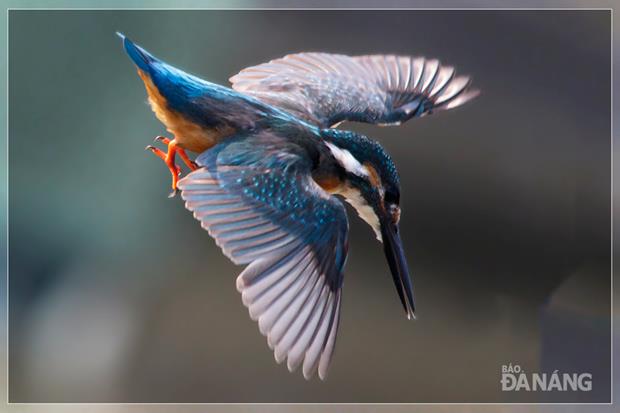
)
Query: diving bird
[{"x": 272, "y": 172}]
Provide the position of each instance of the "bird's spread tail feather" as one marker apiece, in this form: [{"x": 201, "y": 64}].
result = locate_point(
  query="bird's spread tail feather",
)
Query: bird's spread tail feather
[{"x": 138, "y": 55}]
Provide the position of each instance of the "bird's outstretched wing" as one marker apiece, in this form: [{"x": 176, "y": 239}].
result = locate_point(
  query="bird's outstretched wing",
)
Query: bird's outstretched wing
[
  {"x": 326, "y": 89},
  {"x": 256, "y": 197}
]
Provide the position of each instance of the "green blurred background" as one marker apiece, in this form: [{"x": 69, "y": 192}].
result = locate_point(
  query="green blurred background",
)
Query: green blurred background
[{"x": 117, "y": 295}]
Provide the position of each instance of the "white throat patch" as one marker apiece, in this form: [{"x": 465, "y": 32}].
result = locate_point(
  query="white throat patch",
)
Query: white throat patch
[
  {"x": 347, "y": 160},
  {"x": 364, "y": 210}
]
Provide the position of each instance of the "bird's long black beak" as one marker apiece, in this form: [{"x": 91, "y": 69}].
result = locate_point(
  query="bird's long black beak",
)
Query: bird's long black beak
[{"x": 392, "y": 245}]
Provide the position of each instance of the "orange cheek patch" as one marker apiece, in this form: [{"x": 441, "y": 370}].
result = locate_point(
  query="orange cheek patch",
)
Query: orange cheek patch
[
  {"x": 373, "y": 175},
  {"x": 375, "y": 180},
  {"x": 329, "y": 184}
]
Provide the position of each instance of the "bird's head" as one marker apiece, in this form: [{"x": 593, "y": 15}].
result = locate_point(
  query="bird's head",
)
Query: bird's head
[{"x": 369, "y": 182}]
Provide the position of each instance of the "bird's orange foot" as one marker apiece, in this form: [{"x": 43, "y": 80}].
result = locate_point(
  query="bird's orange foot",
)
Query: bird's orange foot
[
  {"x": 188, "y": 162},
  {"x": 169, "y": 158}
]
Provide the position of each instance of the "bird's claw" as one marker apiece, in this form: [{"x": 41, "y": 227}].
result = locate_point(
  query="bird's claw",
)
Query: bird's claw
[
  {"x": 163, "y": 156},
  {"x": 169, "y": 158},
  {"x": 174, "y": 192}
]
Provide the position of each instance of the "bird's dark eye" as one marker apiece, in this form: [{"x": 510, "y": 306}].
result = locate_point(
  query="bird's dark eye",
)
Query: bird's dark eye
[{"x": 392, "y": 197}]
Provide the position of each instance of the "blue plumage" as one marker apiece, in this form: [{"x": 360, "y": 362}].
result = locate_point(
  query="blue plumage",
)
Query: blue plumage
[
  {"x": 140, "y": 57},
  {"x": 206, "y": 104}
]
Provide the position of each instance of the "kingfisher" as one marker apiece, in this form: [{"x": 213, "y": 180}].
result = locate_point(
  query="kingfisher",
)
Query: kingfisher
[{"x": 272, "y": 172}]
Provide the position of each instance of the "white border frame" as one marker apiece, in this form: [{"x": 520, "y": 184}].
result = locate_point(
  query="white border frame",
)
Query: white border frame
[{"x": 611, "y": 10}]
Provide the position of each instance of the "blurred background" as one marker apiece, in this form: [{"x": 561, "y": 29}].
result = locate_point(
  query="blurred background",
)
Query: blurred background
[{"x": 117, "y": 295}]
